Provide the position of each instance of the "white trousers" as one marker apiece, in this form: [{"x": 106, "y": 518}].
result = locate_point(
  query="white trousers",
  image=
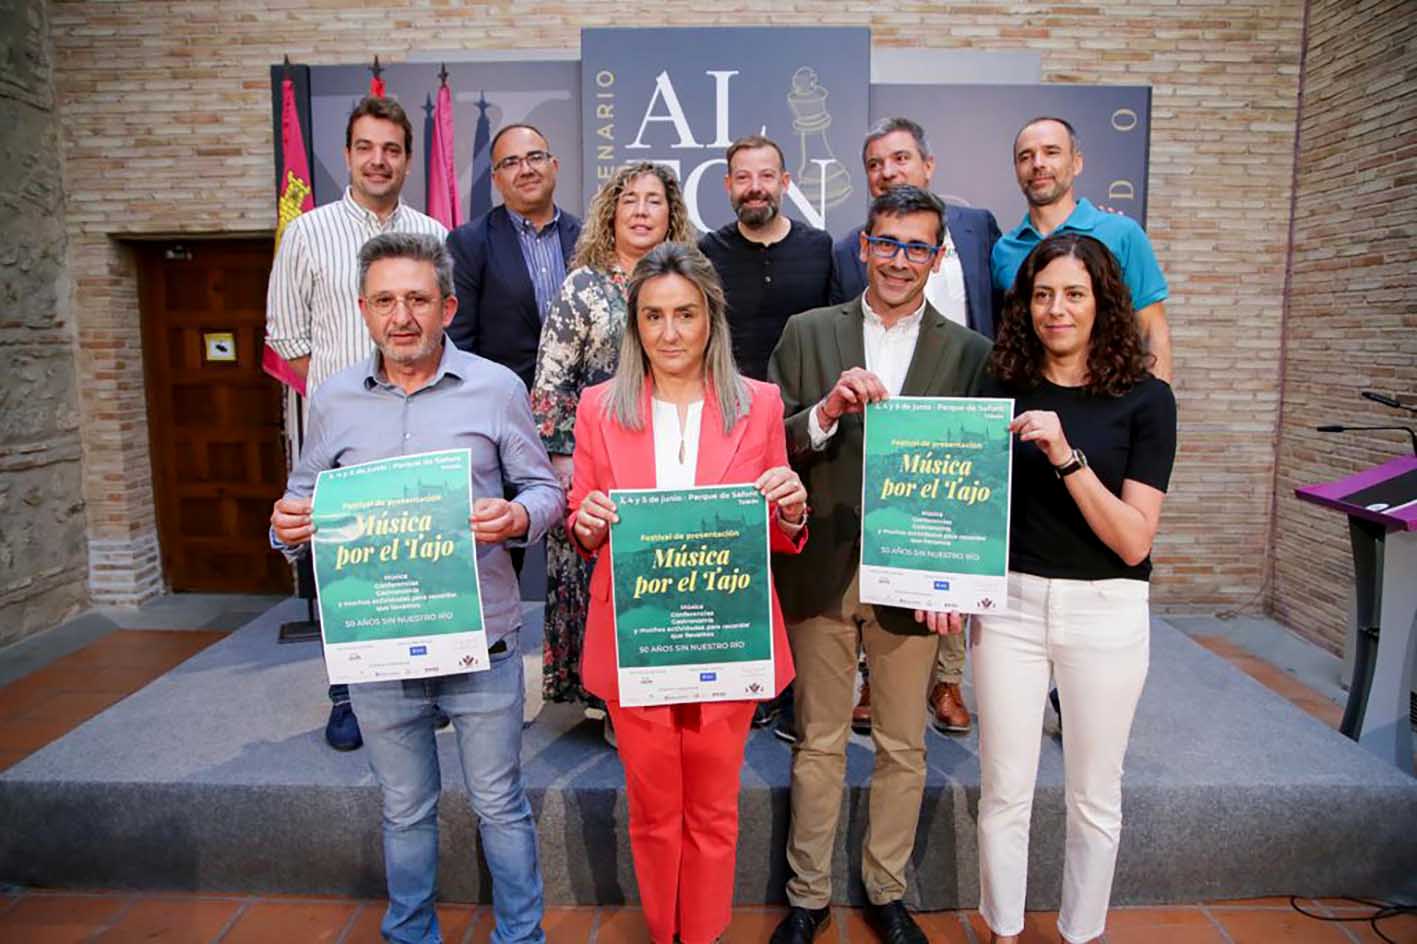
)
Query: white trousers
[{"x": 1094, "y": 638}]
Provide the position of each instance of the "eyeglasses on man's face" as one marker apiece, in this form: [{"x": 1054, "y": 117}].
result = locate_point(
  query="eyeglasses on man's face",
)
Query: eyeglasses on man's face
[
  {"x": 883, "y": 247},
  {"x": 536, "y": 160},
  {"x": 416, "y": 303}
]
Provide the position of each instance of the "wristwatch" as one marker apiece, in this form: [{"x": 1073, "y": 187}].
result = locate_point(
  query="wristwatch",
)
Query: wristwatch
[{"x": 1078, "y": 461}]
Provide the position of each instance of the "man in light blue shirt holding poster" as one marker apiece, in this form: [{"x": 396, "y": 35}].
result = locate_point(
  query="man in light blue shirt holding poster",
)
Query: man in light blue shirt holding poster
[
  {"x": 418, "y": 393},
  {"x": 1047, "y": 160}
]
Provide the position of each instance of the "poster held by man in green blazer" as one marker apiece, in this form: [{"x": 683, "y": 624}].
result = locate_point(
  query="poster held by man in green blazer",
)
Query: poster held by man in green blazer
[{"x": 829, "y": 364}]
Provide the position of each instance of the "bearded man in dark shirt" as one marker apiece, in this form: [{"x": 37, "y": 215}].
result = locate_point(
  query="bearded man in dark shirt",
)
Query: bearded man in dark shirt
[{"x": 771, "y": 267}]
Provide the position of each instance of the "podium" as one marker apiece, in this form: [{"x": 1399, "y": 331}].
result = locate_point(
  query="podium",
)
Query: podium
[{"x": 1381, "y": 505}]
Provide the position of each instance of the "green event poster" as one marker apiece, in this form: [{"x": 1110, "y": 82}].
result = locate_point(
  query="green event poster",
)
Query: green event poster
[
  {"x": 935, "y": 481},
  {"x": 693, "y": 602},
  {"x": 396, "y": 568}
]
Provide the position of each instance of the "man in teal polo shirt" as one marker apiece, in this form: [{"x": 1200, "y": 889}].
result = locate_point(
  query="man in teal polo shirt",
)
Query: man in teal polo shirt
[{"x": 1046, "y": 162}]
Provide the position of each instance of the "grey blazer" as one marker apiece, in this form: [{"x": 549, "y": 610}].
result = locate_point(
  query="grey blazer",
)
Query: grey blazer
[{"x": 816, "y": 346}]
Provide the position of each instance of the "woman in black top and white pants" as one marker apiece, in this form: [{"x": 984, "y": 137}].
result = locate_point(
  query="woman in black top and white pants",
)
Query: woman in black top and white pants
[{"x": 1096, "y": 439}]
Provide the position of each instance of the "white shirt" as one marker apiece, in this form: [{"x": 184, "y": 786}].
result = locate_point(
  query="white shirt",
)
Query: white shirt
[
  {"x": 676, "y": 448},
  {"x": 944, "y": 290},
  {"x": 312, "y": 301},
  {"x": 889, "y": 352}
]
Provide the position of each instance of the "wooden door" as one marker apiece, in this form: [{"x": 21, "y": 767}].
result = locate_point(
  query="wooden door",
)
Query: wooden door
[{"x": 214, "y": 418}]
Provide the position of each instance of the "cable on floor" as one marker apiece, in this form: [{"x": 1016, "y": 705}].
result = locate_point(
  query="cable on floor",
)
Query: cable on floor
[{"x": 1382, "y": 911}]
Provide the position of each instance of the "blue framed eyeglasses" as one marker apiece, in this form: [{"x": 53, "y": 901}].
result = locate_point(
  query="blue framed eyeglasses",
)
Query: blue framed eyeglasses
[{"x": 883, "y": 247}]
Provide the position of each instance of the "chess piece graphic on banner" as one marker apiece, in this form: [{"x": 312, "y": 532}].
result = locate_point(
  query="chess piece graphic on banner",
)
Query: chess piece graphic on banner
[{"x": 824, "y": 179}]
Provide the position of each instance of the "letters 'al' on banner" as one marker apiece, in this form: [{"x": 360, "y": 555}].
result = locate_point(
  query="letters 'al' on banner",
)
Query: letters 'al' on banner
[
  {"x": 396, "y": 568},
  {"x": 936, "y": 478},
  {"x": 693, "y": 605}
]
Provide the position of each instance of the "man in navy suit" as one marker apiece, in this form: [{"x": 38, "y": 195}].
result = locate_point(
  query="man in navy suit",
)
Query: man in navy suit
[
  {"x": 509, "y": 263},
  {"x": 896, "y": 152}
]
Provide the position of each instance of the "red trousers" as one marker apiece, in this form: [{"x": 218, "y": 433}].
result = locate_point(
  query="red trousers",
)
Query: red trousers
[{"x": 682, "y": 780}]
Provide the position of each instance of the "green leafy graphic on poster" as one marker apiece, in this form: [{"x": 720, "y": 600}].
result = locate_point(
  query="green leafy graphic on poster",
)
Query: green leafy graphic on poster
[
  {"x": 935, "y": 502},
  {"x": 395, "y": 560},
  {"x": 691, "y": 589}
]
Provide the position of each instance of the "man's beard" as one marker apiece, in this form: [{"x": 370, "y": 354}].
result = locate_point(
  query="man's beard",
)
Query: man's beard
[
  {"x": 756, "y": 216},
  {"x": 1046, "y": 198},
  {"x": 427, "y": 345}
]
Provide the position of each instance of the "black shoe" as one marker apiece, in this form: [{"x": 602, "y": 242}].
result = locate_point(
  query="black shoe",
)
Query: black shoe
[
  {"x": 342, "y": 730},
  {"x": 802, "y": 925},
  {"x": 893, "y": 924},
  {"x": 786, "y": 727},
  {"x": 440, "y": 719}
]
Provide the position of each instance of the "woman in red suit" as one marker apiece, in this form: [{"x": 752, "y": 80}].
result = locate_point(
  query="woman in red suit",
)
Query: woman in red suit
[{"x": 676, "y": 414}]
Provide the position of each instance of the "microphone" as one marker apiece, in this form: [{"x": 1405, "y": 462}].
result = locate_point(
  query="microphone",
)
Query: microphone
[
  {"x": 1333, "y": 428},
  {"x": 1385, "y": 400}
]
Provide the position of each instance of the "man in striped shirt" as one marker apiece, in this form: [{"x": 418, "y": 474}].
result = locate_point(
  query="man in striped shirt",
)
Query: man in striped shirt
[{"x": 312, "y": 302}]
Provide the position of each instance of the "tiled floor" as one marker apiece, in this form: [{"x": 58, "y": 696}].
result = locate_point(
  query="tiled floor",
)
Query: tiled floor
[
  {"x": 47, "y": 704},
  {"x": 1276, "y": 680},
  {"x": 37, "y": 917},
  {"x": 51, "y": 701}
]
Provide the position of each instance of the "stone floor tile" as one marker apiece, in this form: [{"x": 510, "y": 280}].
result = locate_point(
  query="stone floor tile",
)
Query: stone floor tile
[
  {"x": 59, "y": 919},
  {"x": 1128, "y": 919},
  {"x": 20, "y": 699},
  {"x": 1398, "y": 928},
  {"x": 944, "y": 927},
  {"x": 1279, "y": 902},
  {"x": 171, "y": 920},
  {"x": 74, "y": 707},
  {"x": 453, "y": 920},
  {"x": 622, "y": 926},
  {"x": 117, "y": 679},
  {"x": 28, "y": 736},
  {"x": 562, "y": 926},
  {"x": 1039, "y": 927},
  {"x": 1251, "y": 926},
  {"x": 941, "y": 927},
  {"x": 291, "y": 922},
  {"x": 752, "y": 925},
  {"x": 1168, "y": 934}
]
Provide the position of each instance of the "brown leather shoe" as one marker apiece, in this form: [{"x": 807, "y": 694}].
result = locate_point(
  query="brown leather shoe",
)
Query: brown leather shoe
[
  {"x": 861, "y": 714},
  {"x": 947, "y": 709}
]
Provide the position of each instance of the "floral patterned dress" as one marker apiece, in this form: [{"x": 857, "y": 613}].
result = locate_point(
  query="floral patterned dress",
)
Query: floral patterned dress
[{"x": 580, "y": 346}]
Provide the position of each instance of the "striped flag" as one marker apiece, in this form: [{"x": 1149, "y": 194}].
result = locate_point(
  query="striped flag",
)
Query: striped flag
[{"x": 444, "y": 204}]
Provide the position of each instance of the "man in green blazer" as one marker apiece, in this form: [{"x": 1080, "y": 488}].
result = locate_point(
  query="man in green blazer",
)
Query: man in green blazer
[{"x": 830, "y": 363}]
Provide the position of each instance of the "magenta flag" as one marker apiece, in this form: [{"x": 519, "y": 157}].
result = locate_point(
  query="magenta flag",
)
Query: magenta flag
[{"x": 443, "y": 202}]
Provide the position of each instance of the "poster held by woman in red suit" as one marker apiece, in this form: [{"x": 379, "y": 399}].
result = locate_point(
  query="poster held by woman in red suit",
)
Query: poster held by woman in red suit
[{"x": 677, "y": 414}]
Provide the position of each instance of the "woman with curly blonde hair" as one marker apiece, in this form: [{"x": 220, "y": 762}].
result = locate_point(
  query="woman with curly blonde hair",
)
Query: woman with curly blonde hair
[{"x": 637, "y": 209}]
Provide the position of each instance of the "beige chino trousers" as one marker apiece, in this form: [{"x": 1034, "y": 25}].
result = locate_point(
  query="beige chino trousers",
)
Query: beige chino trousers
[{"x": 825, "y": 650}]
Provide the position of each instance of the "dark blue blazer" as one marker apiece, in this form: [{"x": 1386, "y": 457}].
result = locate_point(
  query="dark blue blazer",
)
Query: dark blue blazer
[
  {"x": 974, "y": 232},
  {"x": 497, "y": 316}
]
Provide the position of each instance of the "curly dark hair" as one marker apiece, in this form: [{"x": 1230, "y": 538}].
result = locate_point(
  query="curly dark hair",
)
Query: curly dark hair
[{"x": 1116, "y": 360}]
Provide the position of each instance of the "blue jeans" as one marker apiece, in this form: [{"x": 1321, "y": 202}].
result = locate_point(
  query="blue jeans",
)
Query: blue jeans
[{"x": 486, "y": 710}]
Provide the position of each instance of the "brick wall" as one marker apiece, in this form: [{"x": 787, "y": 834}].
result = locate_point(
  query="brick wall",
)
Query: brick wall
[
  {"x": 167, "y": 129},
  {"x": 1352, "y": 321},
  {"x": 42, "y": 553}
]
